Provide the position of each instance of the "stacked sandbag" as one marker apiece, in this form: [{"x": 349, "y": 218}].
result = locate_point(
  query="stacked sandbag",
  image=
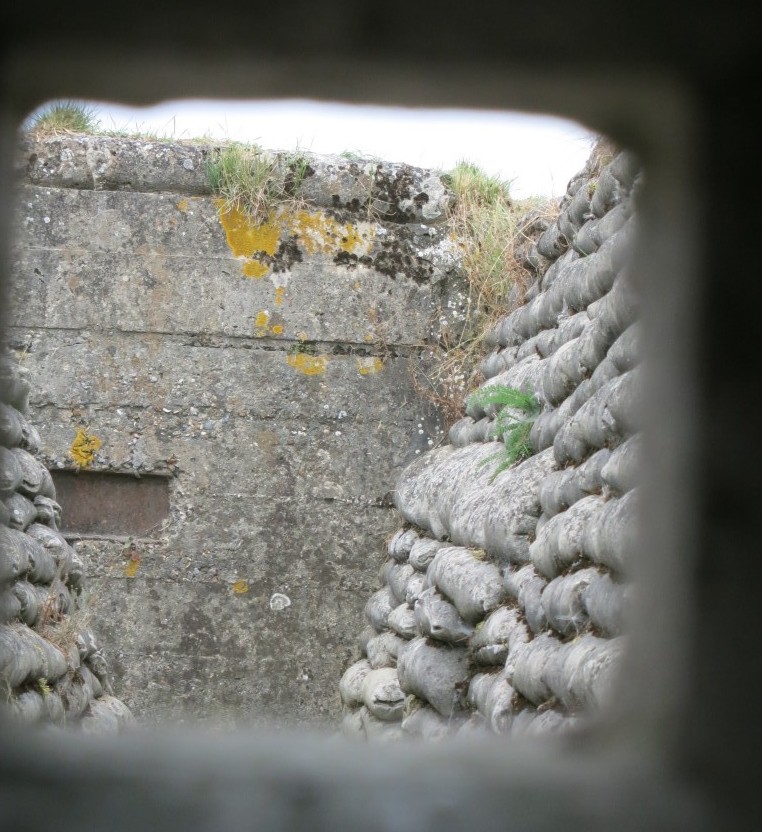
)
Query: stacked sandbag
[
  {"x": 52, "y": 671},
  {"x": 504, "y": 597}
]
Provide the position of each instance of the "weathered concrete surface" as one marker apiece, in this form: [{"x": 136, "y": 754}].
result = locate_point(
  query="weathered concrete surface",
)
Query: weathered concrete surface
[{"x": 267, "y": 370}]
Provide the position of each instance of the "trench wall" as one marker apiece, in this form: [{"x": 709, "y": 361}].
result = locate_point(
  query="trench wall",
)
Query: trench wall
[{"x": 259, "y": 375}]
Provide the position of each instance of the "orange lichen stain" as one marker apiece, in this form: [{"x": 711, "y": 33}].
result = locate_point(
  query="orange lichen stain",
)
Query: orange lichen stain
[
  {"x": 84, "y": 448},
  {"x": 254, "y": 268},
  {"x": 132, "y": 567},
  {"x": 277, "y": 329},
  {"x": 320, "y": 233},
  {"x": 280, "y": 291},
  {"x": 244, "y": 237},
  {"x": 240, "y": 587},
  {"x": 309, "y": 365},
  {"x": 183, "y": 205},
  {"x": 369, "y": 366}
]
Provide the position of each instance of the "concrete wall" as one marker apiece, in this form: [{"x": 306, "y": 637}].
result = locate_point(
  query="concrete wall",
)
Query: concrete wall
[{"x": 265, "y": 370}]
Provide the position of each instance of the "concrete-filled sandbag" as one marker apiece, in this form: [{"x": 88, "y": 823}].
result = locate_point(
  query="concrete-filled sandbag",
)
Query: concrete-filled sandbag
[
  {"x": 613, "y": 540},
  {"x": 106, "y": 715},
  {"x": 395, "y": 576},
  {"x": 622, "y": 470},
  {"x": 350, "y": 684},
  {"x": 495, "y": 699},
  {"x": 26, "y": 656},
  {"x": 474, "y": 585},
  {"x": 526, "y": 585},
  {"x": 382, "y": 695},
  {"x": 581, "y": 672},
  {"x": 439, "y": 619},
  {"x": 401, "y": 543},
  {"x": 560, "y": 542},
  {"x": 402, "y": 621},
  {"x": 562, "y": 600},
  {"x": 382, "y": 650},
  {"x": 378, "y": 607},
  {"x": 434, "y": 672},
  {"x": 605, "y": 601},
  {"x": 423, "y": 551},
  {"x": 502, "y": 631}
]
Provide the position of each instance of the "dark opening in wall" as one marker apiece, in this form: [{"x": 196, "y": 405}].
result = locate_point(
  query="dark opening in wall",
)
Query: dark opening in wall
[{"x": 98, "y": 504}]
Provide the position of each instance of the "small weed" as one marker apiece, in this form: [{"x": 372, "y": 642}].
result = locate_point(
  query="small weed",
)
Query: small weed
[
  {"x": 63, "y": 117},
  {"x": 513, "y": 421},
  {"x": 43, "y": 686}
]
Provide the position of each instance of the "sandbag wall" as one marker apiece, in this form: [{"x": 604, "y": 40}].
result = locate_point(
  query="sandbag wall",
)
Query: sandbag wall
[
  {"x": 504, "y": 597},
  {"x": 52, "y": 671}
]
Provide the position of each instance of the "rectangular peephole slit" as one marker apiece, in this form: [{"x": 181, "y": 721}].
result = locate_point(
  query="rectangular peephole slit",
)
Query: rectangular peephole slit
[{"x": 101, "y": 504}]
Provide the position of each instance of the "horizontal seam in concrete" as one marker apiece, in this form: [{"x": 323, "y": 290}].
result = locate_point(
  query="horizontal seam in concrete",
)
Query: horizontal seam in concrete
[{"x": 249, "y": 342}]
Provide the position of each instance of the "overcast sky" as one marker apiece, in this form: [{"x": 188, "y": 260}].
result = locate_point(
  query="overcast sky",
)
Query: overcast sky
[{"x": 540, "y": 154}]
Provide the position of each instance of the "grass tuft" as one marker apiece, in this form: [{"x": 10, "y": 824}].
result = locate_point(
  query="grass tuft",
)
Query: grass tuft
[
  {"x": 63, "y": 117},
  {"x": 489, "y": 225}
]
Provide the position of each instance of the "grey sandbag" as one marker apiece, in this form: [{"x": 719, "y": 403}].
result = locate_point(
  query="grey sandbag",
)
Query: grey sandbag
[
  {"x": 495, "y": 698},
  {"x": 621, "y": 473},
  {"x": 26, "y": 656},
  {"x": 86, "y": 644},
  {"x": 515, "y": 507},
  {"x": 474, "y": 585},
  {"x": 625, "y": 351},
  {"x": 379, "y": 729},
  {"x": 525, "y": 585},
  {"x": 92, "y": 680},
  {"x": 351, "y": 725},
  {"x": 21, "y": 510},
  {"x": 10, "y": 606},
  {"x": 502, "y": 631},
  {"x": 76, "y": 694},
  {"x": 423, "y": 552},
  {"x": 31, "y": 707},
  {"x": 415, "y": 586},
  {"x": 382, "y": 650},
  {"x": 378, "y": 607},
  {"x": 560, "y": 542},
  {"x": 581, "y": 673},
  {"x": 14, "y": 556},
  {"x": 535, "y": 724},
  {"x": 402, "y": 621},
  {"x": 527, "y": 671},
  {"x": 562, "y": 600},
  {"x": 439, "y": 619},
  {"x": 55, "y": 543},
  {"x": 42, "y": 562},
  {"x": 99, "y": 665},
  {"x": 612, "y": 540},
  {"x": 605, "y": 601},
  {"x": 35, "y": 477},
  {"x": 365, "y": 636},
  {"x": 423, "y": 721},
  {"x": 382, "y": 694},
  {"x": 10, "y": 426},
  {"x": 434, "y": 672},
  {"x": 400, "y": 545},
  {"x": 11, "y": 474},
  {"x": 396, "y": 576},
  {"x": 31, "y": 600},
  {"x": 106, "y": 715},
  {"x": 48, "y": 511}
]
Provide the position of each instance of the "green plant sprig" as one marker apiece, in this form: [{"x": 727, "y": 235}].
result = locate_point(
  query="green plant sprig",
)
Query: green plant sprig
[{"x": 513, "y": 422}]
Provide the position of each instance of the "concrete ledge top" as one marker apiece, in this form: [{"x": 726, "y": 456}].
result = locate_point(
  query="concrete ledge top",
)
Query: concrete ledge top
[{"x": 391, "y": 191}]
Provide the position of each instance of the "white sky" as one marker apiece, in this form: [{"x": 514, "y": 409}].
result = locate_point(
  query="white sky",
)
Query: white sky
[{"x": 539, "y": 153}]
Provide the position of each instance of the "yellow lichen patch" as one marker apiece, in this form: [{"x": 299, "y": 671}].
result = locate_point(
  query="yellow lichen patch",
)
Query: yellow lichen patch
[
  {"x": 277, "y": 329},
  {"x": 369, "y": 366},
  {"x": 320, "y": 233},
  {"x": 183, "y": 205},
  {"x": 280, "y": 291},
  {"x": 262, "y": 319},
  {"x": 309, "y": 365},
  {"x": 254, "y": 268},
  {"x": 84, "y": 448},
  {"x": 244, "y": 237},
  {"x": 132, "y": 567},
  {"x": 357, "y": 285},
  {"x": 240, "y": 587}
]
